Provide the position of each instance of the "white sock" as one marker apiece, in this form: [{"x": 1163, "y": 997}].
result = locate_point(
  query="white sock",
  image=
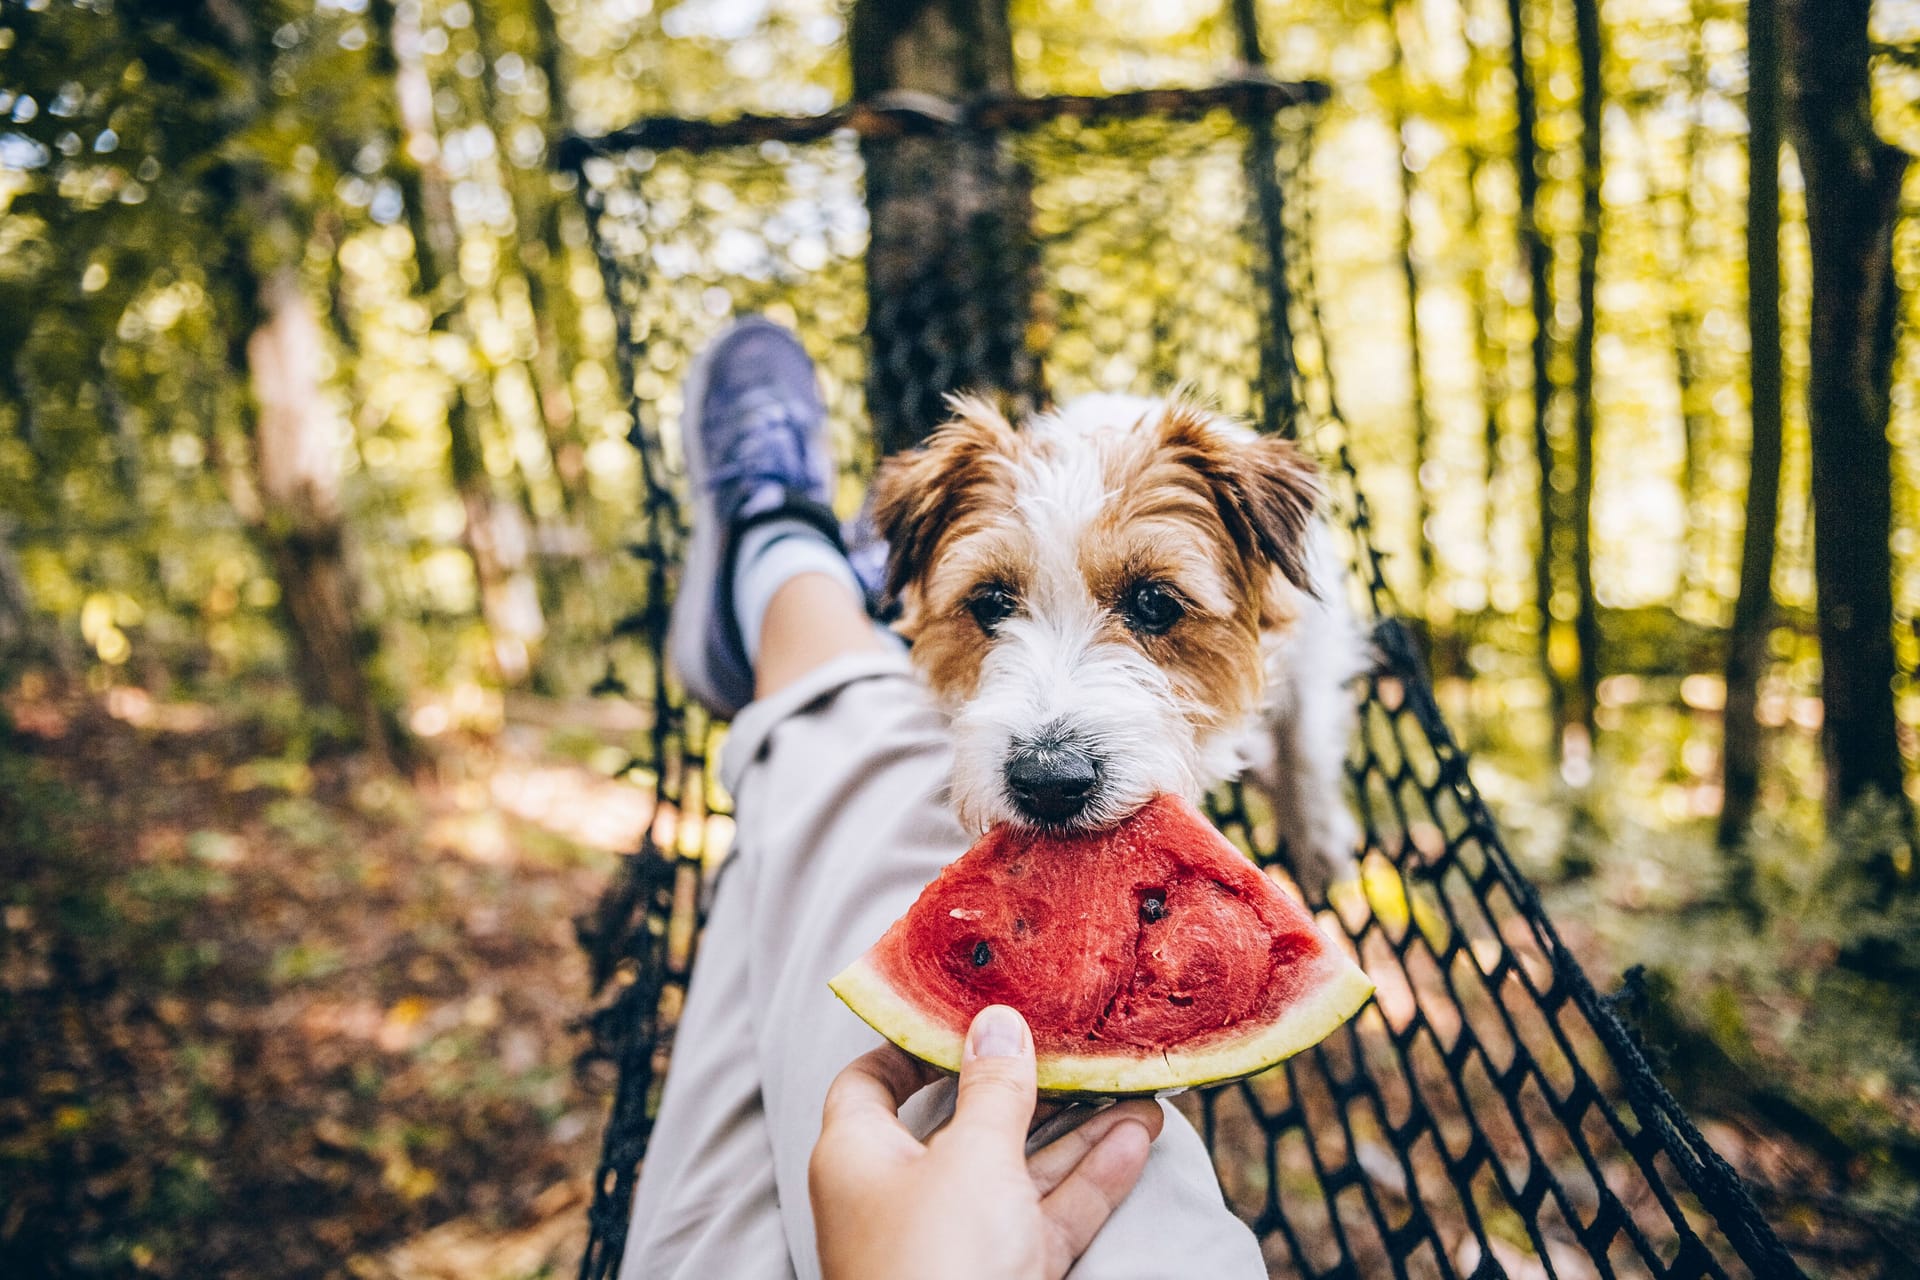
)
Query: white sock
[{"x": 769, "y": 556}]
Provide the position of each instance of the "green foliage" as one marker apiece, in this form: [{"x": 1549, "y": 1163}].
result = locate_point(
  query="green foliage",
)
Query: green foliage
[
  {"x": 250, "y": 1030},
  {"x": 134, "y": 127},
  {"x": 130, "y": 138},
  {"x": 155, "y": 162},
  {"x": 1786, "y": 993}
]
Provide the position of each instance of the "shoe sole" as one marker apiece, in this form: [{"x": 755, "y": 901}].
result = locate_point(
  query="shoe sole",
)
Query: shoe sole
[{"x": 692, "y": 620}]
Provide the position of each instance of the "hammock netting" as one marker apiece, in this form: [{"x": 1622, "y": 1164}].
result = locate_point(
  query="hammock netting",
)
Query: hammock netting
[{"x": 1490, "y": 1113}]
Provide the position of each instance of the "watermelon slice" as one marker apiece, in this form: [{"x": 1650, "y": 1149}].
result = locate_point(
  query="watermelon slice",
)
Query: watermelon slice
[{"x": 1147, "y": 958}]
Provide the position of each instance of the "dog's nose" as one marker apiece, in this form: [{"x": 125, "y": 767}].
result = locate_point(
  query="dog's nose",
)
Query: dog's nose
[{"x": 1051, "y": 782}]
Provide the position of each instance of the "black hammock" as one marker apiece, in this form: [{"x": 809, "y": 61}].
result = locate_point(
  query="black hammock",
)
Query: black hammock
[{"x": 1489, "y": 1114}]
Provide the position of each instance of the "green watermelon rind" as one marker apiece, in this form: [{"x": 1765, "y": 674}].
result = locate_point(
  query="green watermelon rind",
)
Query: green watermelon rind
[{"x": 1331, "y": 999}]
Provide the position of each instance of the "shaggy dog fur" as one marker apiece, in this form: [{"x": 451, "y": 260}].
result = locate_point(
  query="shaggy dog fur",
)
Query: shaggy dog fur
[{"x": 1135, "y": 592}]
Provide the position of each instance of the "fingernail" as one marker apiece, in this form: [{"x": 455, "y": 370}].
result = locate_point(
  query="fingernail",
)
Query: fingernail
[{"x": 997, "y": 1032}]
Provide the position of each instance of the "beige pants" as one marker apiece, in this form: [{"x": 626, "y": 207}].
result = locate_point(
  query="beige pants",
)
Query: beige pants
[{"x": 837, "y": 782}]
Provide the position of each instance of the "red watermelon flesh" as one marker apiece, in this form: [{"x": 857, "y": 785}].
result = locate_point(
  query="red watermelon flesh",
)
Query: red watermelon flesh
[{"x": 1152, "y": 956}]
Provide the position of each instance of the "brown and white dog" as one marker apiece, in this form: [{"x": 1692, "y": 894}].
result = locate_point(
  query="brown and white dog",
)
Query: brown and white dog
[{"x": 1125, "y": 597}]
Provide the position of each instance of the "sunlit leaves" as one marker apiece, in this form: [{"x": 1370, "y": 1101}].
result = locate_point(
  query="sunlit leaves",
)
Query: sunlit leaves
[{"x": 123, "y": 456}]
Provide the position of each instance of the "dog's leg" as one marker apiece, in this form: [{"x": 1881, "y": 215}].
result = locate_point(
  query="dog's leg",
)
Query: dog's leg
[{"x": 1311, "y": 728}]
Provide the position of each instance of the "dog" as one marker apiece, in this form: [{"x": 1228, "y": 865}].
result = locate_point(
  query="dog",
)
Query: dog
[{"x": 1123, "y": 597}]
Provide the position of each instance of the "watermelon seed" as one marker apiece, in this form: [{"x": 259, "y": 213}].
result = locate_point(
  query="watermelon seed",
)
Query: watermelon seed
[
  {"x": 1152, "y": 907},
  {"x": 982, "y": 954}
]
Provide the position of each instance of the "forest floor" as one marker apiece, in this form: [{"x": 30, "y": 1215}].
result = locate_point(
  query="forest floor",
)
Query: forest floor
[{"x": 273, "y": 1016}]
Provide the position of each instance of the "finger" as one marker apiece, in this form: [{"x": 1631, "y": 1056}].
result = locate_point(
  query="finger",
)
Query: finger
[
  {"x": 996, "y": 1097},
  {"x": 1044, "y": 1110},
  {"x": 873, "y": 1087},
  {"x": 1052, "y": 1163},
  {"x": 1076, "y": 1209}
]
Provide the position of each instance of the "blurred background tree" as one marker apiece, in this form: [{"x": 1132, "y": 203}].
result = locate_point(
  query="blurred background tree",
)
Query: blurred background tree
[
  {"x": 303, "y": 281},
  {"x": 309, "y": 412}
]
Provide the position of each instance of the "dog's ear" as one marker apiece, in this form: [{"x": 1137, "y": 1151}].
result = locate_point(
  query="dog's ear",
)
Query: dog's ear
[
  {"x": 919, "y": 495},
  {"x": 1266, "y": 489}
]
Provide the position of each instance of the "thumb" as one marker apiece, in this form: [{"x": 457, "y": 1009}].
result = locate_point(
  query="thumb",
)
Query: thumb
[{"x": 996, "y": 1097}]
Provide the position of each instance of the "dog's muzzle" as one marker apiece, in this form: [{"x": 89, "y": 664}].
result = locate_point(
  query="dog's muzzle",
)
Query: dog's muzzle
[{"x": 1051, "y": 781}]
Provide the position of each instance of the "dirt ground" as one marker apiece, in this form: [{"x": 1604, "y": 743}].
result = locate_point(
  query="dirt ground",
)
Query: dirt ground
[{"x": 271, "y": 1018}]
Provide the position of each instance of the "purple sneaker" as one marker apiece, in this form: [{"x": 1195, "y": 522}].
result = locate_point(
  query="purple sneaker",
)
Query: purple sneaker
[
  {"x": 755, "y": 440},
  {"x": 867, "y": 553}
]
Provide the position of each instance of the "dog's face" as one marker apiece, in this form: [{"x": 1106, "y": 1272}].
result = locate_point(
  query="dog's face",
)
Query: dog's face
[{"x": 1089, "y": 597}]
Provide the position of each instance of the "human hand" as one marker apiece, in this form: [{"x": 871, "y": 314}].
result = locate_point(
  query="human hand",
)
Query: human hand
[{"x": 968, "y": 1204}]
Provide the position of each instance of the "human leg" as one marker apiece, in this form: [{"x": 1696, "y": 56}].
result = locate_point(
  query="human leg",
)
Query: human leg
[
  {"x": 838, "y": 771},
  {"x": 838, "y": 781},
  {"x": 706, "y": 1203},
  {"x": 810, "y": 621}
]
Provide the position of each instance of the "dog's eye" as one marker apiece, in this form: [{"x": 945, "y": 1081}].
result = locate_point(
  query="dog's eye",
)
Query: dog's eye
[
  {"x": 991, "y": 605},
  {"x": 1150, "y": 608}
]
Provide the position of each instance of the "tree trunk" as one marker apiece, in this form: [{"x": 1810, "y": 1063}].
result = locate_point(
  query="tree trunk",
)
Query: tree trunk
[
  {"x": 547, "y": 51},
  {"x": 1489, "y": 340},
  {"x": 291, "y": 497},
  {"x": 1278, "y": 403},
  {"x": 1683, "y": 317},
  {"x": 1586, "y": 618},
  {"x": 1490, "y": 345},
  {"x": 531, "y": 251},
  {"x": 535, "y": 244},
  {"x": 497, "y": 536},
  {"x": 1753, "y": 609},
  {"x": 950, "y": 260},
  {"x": 297, "y": 469},
  {"x": 1533, "y": 244},
  {"x": 1853, "y": 182},
  {"x": 1423, "y": 451},
  {"x": 16, "y": 607},
  {"x": 26, "y": 634}
]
